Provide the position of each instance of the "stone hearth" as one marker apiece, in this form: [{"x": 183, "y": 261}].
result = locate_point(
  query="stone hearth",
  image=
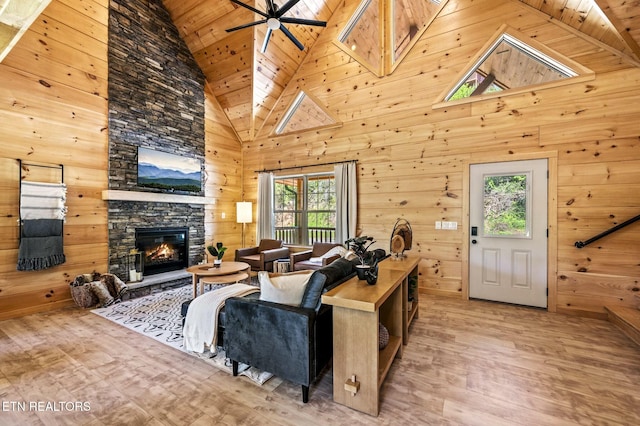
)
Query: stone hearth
[{"x": 158, "y": 282}]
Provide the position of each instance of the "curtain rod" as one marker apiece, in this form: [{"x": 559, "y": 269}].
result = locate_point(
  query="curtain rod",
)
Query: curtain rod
[{"x": 303, "y": 167}]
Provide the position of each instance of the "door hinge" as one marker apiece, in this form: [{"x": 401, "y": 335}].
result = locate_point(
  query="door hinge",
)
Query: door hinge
[
  {"x": 547, "y": 291},
  {"x": 547, "y": 232}
]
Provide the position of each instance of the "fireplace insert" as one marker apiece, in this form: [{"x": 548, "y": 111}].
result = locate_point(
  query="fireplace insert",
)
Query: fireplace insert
[{"x": 164, "y": 249}]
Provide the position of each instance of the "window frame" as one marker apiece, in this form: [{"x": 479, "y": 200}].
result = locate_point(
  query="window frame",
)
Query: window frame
[
  {"x": 303, "y": 212},
  {"x": 583, "y": 73}
]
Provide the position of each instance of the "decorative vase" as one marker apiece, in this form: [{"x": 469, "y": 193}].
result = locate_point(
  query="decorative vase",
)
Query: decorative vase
[
  {"x": 371, "y": 275},
  {"x": 361, "y": 270},
  {"x": 217, "y": 263},
  {"x": 383, "y": 336}
]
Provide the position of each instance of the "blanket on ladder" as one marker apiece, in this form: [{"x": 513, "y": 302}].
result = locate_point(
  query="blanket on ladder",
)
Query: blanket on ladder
[{"x": 201, "y": 323}]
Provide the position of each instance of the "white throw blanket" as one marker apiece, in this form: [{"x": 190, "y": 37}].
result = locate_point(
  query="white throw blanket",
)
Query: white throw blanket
[
  {"x": 201, "y": 324},
  {"x": 42, "y": 200}
]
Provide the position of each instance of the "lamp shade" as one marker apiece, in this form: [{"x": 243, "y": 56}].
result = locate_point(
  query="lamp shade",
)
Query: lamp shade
[{"x": 244, "y": 212}]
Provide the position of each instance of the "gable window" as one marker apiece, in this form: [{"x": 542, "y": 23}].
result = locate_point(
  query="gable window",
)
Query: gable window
[
  {"x": 380, "y": 33},
  {"x": 507, "y": 64},
  {"x": 305, "y": 208},
  {"x": 510, "y": 64},
  {"x": 305, "y": 113},
  {"x": 16, "y": 16}
]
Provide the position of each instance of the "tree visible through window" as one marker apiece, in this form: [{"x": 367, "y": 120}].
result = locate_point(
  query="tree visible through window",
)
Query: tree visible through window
[
  {"x": 305, "y": 209},
  {"x": 505, "y": 206}
]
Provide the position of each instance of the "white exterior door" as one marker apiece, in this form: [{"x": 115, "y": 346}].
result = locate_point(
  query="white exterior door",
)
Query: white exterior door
[{"x": 508, "y": 232}]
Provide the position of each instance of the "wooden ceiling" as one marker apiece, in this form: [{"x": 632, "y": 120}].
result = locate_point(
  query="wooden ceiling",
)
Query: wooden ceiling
[{"x": 247, "y": 83}]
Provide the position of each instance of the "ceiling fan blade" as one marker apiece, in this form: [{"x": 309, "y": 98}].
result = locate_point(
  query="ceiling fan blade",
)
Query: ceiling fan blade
[
  {"x": 291, "y": 37},
  {"x": 271, "y": 7},
  {"x": 285, "y": 8},
  {"x": 303, "y": 22},
  {"x": 246, "y": 6},
  {"x": 251, "y": 24},
  {"x": 266, "y": 40}
]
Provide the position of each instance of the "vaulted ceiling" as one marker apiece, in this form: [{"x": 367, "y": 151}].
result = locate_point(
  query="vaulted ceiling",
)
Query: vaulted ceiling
[{"x": 247, "y": 83}]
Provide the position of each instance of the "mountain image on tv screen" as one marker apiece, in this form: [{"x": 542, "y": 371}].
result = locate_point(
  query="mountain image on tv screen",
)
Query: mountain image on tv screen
[{"x": 168, "y": 172}]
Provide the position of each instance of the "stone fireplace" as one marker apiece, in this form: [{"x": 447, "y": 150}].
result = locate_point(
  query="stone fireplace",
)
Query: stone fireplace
[
  {"x": 163, "y": 249},
  {"x": 156, "y": 101},
  {"x": 128, "y": 218}
]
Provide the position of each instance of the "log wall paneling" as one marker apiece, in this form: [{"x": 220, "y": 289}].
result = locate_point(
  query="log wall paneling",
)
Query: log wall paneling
[
  {"x": 411, "y": 156},
  {"x": 223, "y": 179},
  {"x": 54, "y": 94},
  {"x": 53, "y": 91}
]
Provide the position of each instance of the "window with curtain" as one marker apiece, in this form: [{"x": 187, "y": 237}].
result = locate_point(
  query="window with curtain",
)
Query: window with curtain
[{"x": 305, "y": 208}]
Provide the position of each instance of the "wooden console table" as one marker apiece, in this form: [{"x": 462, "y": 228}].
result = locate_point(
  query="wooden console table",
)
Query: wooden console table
[{"x": 359, "y": 367}]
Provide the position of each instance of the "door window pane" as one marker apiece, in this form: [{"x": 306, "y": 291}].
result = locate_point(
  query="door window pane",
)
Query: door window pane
[{"x": 506, "y": 206}]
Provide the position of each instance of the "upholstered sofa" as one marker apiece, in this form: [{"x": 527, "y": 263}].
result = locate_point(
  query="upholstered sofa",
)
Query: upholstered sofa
[{"x": 294, "y": 343}]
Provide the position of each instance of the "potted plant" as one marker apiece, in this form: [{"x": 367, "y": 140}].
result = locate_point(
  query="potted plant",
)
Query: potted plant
[
  {"x": 360, "y": 246},
  {"x": 218, "y": 252},
  {"x": 371, "y": 273}
]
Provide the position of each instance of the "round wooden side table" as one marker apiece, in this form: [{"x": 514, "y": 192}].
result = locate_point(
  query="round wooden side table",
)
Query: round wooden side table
[{"x": 228, "y": 272}]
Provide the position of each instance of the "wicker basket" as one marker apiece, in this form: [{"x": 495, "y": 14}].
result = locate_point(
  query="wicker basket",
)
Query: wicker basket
[{"x": 81, "y": 293}]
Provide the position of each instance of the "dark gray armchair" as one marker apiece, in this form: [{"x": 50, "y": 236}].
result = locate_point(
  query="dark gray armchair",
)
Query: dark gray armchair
[
  {"x": 261, "y": 257},
  {"x": 293, "y": 343}
]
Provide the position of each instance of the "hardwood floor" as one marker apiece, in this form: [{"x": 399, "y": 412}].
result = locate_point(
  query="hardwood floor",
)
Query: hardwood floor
[{"x": 475, "y": 363}]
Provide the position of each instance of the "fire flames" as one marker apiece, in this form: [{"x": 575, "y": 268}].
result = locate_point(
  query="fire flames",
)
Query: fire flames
[{"x": 160, "y": 253}]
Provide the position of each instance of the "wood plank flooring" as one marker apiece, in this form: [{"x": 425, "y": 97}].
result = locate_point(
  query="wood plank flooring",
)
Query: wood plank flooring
[{"x": 471, "y": 363}]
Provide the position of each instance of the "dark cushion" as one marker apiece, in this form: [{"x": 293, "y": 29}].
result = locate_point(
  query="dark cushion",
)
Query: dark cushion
[
  {"x": 325, "y": 279},
  {"x": 313, "y": 291}
]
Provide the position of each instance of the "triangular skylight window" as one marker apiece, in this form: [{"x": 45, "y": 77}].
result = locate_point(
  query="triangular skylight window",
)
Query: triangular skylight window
[
  {"x": 16, "y": 16},
  {"x": 304, "y": 113},
  {"x": 362, "y": 36},
  {"x": 409, "y": 19},
  {"x": 380, "y": 33},
  {"x": 510, "y": 64}
]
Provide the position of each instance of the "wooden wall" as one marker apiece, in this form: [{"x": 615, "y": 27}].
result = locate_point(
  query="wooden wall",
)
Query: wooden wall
[
  {"x": 413, "y": 158},
  {"x": 223, "y": 179},
  {"x": 53, "y": 110}
]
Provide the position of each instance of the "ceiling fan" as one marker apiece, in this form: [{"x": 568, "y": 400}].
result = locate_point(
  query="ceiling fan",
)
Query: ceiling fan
[{"x": 274, "y": 20}]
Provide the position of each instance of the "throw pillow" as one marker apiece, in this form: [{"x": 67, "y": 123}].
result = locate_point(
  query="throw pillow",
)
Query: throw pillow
[
  {"x": 337, "y": 250},
  {"x": 287, "y": 289}
]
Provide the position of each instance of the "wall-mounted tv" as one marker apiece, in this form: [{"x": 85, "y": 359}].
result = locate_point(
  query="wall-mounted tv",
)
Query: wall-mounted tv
[{"x": 169, "y": 172}]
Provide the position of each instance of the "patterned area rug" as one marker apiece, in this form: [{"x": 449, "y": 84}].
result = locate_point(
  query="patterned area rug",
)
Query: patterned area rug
[{"x": 158, "y": 316}]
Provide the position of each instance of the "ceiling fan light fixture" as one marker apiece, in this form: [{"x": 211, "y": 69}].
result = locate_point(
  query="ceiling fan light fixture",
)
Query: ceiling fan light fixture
[
  {"x": 274, "y": 19},
  {"x": 273, "y": 24}
]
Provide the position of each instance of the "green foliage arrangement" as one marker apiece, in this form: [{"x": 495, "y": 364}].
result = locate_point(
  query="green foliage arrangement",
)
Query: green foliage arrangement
[
  {"x": 217, "y": 251},
  {"x": 360, "y": 246}
]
